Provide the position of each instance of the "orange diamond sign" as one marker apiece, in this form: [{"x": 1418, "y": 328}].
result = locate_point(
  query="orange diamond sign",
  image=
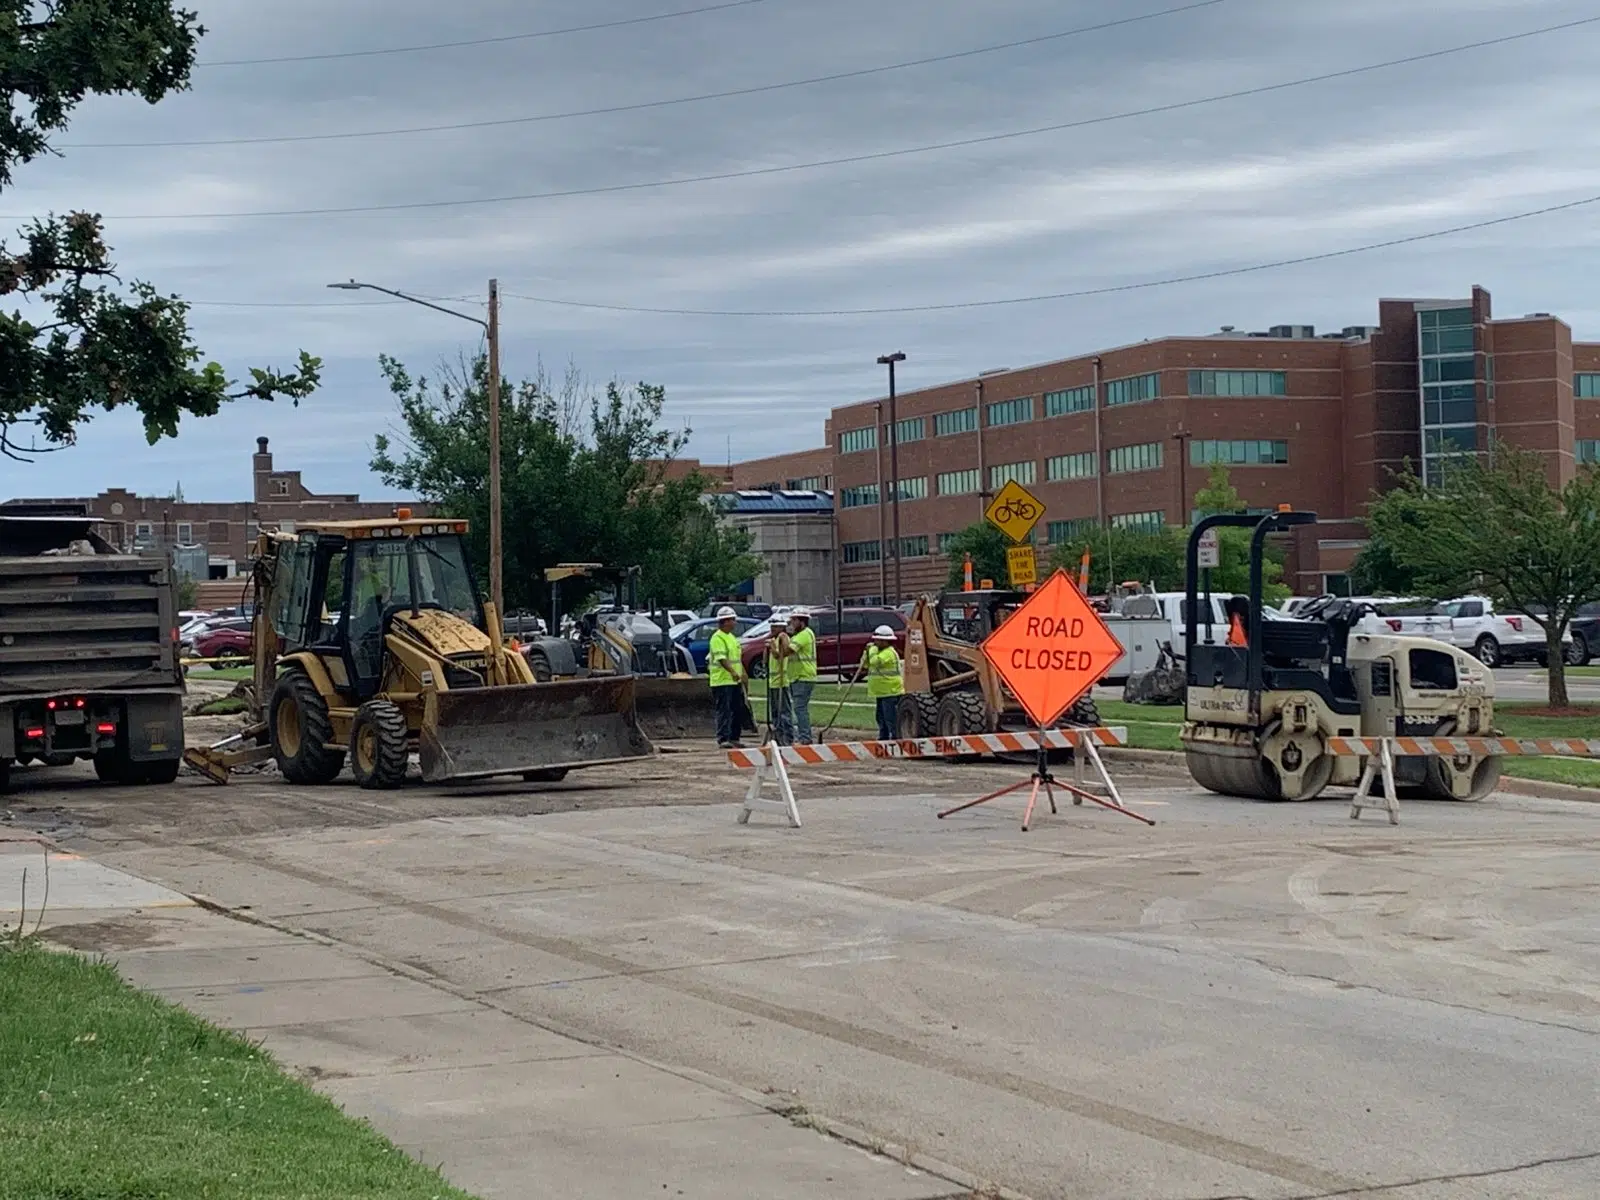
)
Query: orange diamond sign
[{"x": 1052, "y": 650}]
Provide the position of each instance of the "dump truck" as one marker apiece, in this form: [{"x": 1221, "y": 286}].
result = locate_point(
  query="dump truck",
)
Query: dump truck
[
  {"x": 1258, "y": 716},
  {"x": 89, "y": 665},
  {"x": 371, "y": 642}
]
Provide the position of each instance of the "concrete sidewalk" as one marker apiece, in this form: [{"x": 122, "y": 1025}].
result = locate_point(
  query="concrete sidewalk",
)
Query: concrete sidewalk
[{"x": 505, "y": 1107}]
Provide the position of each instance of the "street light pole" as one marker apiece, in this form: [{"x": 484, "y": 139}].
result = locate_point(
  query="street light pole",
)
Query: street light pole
[
  {"x": 491, "y": 329},
  {"x": 889, "y": 361}
]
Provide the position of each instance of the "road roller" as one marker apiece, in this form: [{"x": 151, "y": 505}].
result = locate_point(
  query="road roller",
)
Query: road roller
[{"x": 1258, "y": 715}]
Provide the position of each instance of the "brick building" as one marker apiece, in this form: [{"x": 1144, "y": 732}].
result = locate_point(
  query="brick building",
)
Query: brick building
[
  {"x": 1128, "y": 435},
  {"x": 225, "y": 530}
]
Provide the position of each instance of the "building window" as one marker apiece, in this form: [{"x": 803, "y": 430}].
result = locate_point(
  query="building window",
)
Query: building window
[
  {"x": 1145, "y": 522},
  {"x": 962, "y": 420},
  {"x": 1011, "y": 412},
  {"x": 1335, "y": 584},
  {"x": 1238, "y": 383},
  {"x": 280, "y": 487},
  {"x": 958, "y": 483},
  {"x": 1146, "y": 456},
  {"x": 914, "y": 489},
  {"x": 143, "y": 529},
  {"x": 912, "y": 429},
  {"x": 811, "y": 483},
  {"x": 1073, "y": 400},
  {"x": 1022, "y": 472},
  {"x": 1588, "y": 450},
  {"x": 946, "y": 540},
  {"x": 852, "y": 441},
  {"x": 914, "y": 547},
  {"x": 861, "y": 552},
  {"x": 1070, "y": 466},
  {"x": 1449, "y": 394},
  {"x": 858, "y": 497},
  {"x": 1586, "y": 386},
  {"x": 1135, "y": 390},
  {"x": 1061, "y": 532},
  {"x": 185, "y": 533},
  {"x": 1196, "y": 515},
  {"x": 1239, "y": 454}
]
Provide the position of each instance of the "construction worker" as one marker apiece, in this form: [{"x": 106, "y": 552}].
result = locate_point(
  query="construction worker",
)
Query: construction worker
[
  {"x": 803, "y": 680},
  {"x": 725, "y": 666},
  {"x": 882, "y": 667},
  {"x": 780, "y": 674}
]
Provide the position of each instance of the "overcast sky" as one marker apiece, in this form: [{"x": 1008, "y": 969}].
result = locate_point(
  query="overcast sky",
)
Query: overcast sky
[{"x": 1386, "y": 154}]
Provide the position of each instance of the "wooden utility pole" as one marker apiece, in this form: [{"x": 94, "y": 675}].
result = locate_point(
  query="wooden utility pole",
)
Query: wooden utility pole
[{"x": 496, "y": 551}]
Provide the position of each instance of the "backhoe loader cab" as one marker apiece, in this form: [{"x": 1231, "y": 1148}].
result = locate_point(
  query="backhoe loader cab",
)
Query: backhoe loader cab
[
  {"x": 371, "y": 641},
  {"x": 1258, "y": 716}
]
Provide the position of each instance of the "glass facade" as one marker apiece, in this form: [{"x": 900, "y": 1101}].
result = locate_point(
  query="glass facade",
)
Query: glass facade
[
  {"x": 1445, "y": 353},
  {"x": 962, "y": 420},
  {"x": 914, "y": 547},
  {"x": 811, "y": 483},
  {"x": 858, "y": 497},
  {"x": 1238, "y": 383},
  {"x": 1066, "y": 531},
  {"x": 958, "y": 483},
  {"x": 914, "y": 489},
  {"x": 1146, "y": 456},
  {"x": 853, "y": 440},
  {"x": 860, "y": 552},
  {"x": 1588, "y": 450},
  {"x": 945, "y": 542},
  {"x": 912, "y": 429},
  {"x": 1070, "y": 466},
  {"x": 1586, "y": 385},
  {"x": 1135, "y": 390},
  {"x": 1073, "y": 400},
  {"x": 1238, "y": 454},
  {"x": 1148, "y": 522},
  {"x": 1023, "y": 472},
  {"x": 1011, "y": 412}
]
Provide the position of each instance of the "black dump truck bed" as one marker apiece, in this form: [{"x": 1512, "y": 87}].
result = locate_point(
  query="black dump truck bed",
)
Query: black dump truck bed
[{"x": 89, "y": 667}]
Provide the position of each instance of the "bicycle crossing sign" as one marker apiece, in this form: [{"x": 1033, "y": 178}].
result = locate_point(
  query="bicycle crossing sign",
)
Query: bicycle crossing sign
[{"x": 1014, "y": 511}]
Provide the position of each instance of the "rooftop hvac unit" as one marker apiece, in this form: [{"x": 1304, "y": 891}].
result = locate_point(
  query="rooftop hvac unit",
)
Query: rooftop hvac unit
[{"x": 1293, "y": 331}]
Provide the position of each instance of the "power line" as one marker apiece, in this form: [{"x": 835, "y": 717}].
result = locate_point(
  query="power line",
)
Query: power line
[
  {"x": 485, "y": 41},
  {"x": 875, "y": 156},
  {"x": 649, "y": 104},
  {"x": 1109, "y": 290}
]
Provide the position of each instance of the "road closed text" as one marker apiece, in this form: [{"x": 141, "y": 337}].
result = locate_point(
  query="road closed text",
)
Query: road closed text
[{"x": 1064, "y": 656}]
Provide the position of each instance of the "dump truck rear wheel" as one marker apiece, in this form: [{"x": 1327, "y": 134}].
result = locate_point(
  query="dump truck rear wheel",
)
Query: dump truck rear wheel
[
  {"x": 378, "y": 745},
  {"x": 158, "y": 773},
  {"x": 110, "y": 766},
  {"x": 301, "y": 731},
  {"x": 5, "y": 775}
]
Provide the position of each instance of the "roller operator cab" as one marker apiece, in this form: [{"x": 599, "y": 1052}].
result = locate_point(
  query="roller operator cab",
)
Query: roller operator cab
[{"x": 1258, "y": 717}]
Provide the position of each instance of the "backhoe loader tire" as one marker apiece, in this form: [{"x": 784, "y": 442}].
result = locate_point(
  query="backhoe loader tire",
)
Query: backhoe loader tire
[
  {"x": 962, "y": 713},
  {"x": 378, "y": 745},
  {"x": 301, "y": 731},
  {"x": 1085, "y": 714},
  {"x": 540, "y": 666}
]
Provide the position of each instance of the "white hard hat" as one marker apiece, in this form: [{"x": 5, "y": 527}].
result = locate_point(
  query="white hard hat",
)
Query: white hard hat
[
  {"x": 883, "y": 632},
  {"x": 726, "y": 614}
]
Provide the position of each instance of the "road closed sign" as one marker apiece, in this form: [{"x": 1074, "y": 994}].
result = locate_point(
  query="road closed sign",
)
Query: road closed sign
[{"x": 1052, "y": 650}]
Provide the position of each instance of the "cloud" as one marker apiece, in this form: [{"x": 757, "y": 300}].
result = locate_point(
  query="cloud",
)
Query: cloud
[{"x": 1307, "y": 170}]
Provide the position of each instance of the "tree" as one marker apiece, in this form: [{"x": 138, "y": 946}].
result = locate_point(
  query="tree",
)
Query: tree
[
  {"x": 1118, "y": 555},
  {"x": 188, "y": 593},
  {"x": 988, "y": 547},
  {"x": 1233, "y": 545},
  {"x": 1496, "y": 525},
  {"x": 593, "y": 489},
  {"x": 1379, "y": 571},
  {"x": 98, "y": 344}
]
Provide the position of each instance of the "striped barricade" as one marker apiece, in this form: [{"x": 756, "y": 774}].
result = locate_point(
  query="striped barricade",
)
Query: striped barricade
[
  {"x": 936, "y": 747},
  {"x": 771, "y": 763},
  {"x": 1478, "y": 747}
]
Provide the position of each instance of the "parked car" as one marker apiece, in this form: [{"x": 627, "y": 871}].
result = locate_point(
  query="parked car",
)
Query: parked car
[
  {"x": 1585, "y": 634},
  {"x": 743, "y": 608},
  {"x": 1495, "y": 638},
  {"x": 695, "y": 636},
  {"x": 231, "y": 639},
  {"x": 836, "y": 647}
]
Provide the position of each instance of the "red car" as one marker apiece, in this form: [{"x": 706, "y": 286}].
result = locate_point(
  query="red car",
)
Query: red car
[
  {"x": 835, "y": 647},
  {"x": 225, "y": 641}
]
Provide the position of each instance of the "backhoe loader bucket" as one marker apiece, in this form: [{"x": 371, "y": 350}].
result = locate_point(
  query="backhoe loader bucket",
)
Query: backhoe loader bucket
[
  {"x": 673, "y": 708},
  {"x": 477, "y": 732}
]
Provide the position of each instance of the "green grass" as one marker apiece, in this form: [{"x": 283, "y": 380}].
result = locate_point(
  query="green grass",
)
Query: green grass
[
  {"x": 108, "y": 1093},
  {"x": 234, "y": 673},
  {"x": 1579, "y": 772},
  {"x": 225, "y": 707}
]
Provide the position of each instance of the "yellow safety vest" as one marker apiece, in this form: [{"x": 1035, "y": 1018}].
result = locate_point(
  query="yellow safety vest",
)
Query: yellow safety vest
[
  {"x": 805, "y": 645},
  {"x": 780, "y": 664},
  {"x": 883, "y": 672},
  {"x": 723, "y": 646}
]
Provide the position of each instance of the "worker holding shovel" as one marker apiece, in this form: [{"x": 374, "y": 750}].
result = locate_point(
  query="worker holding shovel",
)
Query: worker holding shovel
[{"x": 881, "y": 664}]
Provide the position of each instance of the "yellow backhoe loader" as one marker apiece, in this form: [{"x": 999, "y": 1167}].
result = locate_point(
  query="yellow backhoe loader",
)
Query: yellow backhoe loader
[
  {"x": 620, "y": 639},
  {"x": 370, "y": 641}
]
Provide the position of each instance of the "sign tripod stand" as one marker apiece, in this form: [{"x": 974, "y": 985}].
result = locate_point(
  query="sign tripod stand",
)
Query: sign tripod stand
[{"x": 1049, "y": 652}]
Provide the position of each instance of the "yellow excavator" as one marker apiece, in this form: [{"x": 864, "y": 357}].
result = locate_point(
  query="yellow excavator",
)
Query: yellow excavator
[{"x": 369, "y": 641}]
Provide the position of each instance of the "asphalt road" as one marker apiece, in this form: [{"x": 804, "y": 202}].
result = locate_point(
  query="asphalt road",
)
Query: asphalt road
[
  {"x": 1532, "y": 683},
  {"x": 1247, "y": 1000}
]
